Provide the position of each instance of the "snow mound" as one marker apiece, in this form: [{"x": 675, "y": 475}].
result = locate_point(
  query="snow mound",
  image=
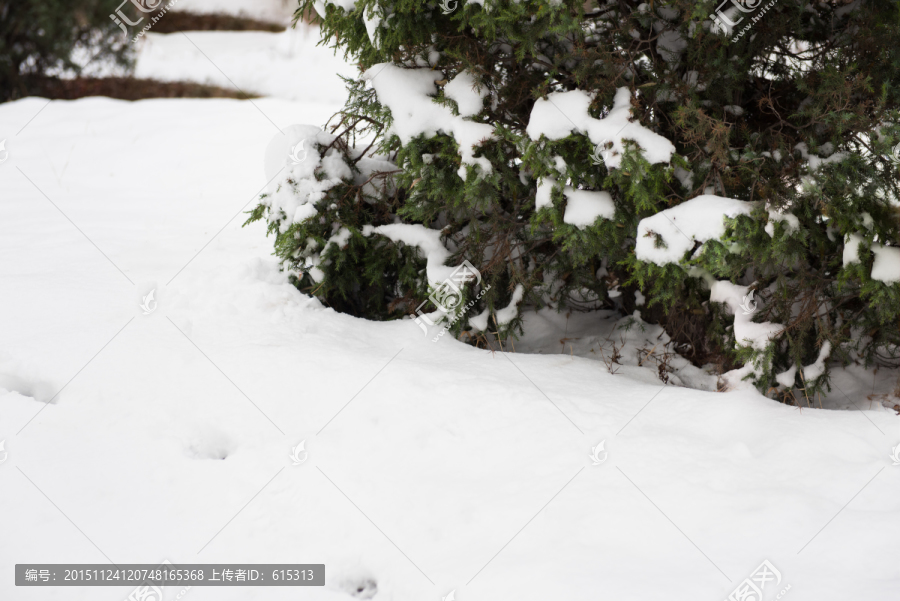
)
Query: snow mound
[
  {"x": 681, "y": 227},
  {"x": 584, "y": 207},
  {"x": 561, "y": 113},
  {"x": 408, "y": 93},
  {"x": 292, "y": 161},
  {"x": 463, "y": 89},
  {"x": 886, "y": 267}
]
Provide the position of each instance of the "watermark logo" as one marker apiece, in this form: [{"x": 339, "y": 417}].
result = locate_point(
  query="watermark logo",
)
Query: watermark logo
[
  {"x": 895, "y": 456},
  {"x": 149, "y": 591},
  {"x": 152, "y": 592},
  {"x": 149, "y": 303},
  {"x": 146, "y": 592},
  {"x": 4, "y": 154},
  {"x": 299, "y": 454},
  {"x": 597, "y": 156},
  {"x": 145, "y": 6},
  {"x": 4, "y": 454},
  {"x": 451, "y": 596},
  {"x": 447, "y": 297},
  {"x": 895, "y": 154},
  {"x": 749, "y": 304},
  {"x": 595, "y": 453},
  {"x": 120, "y": 19},
  {"x": 295, "y": 156},
  {"x": 447, "y": 7},
  {"x": 752, "y": 587},
  {"x": 722, "y": 23}
]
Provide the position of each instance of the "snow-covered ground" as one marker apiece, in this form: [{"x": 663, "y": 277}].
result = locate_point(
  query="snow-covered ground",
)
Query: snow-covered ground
[
  {"x": 285, "y": 65},
  {"x": 431, "y": 468}
]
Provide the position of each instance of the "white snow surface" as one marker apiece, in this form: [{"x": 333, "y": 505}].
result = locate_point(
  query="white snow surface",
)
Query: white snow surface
[
  {"x": 746, "y": 331},
  {"x": 584, "y": 207},
  {"x": 372, "y": 19},
  {"x": 851, "y": 249},
  {"x": 432, "y": 467},
  {"x": 428, "y": 241},
  {"x": 561, "y": 113},
  {"x": 543, "y": 195},
  {"x": 285, "y": 65},
  {"x": 791, "y": 223},
  {"x": 408, "y": 94},
  {"x": 787, "y": 377},
  {"x": 697, "y": 220},
  {"x": 463, "y": 89},
  {"x": 813, "y": 371},
  {"x": 511, "y": 311},
  {"x": 815, "y": 161},
  {"x": 886, "y": 267},
  {"x": 292, "y": 159}
]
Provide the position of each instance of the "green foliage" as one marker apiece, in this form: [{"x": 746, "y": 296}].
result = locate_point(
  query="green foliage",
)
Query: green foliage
[
  {"x": 750, "y": 118},
  {"x": 37, "y": 37}
]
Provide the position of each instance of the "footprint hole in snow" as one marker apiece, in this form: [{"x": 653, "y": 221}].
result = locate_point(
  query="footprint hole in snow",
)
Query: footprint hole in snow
[
  {"x": 210, "y": 445},
  {"x": 360, "y": 587},
  {"x": 38, "y": 390}
]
